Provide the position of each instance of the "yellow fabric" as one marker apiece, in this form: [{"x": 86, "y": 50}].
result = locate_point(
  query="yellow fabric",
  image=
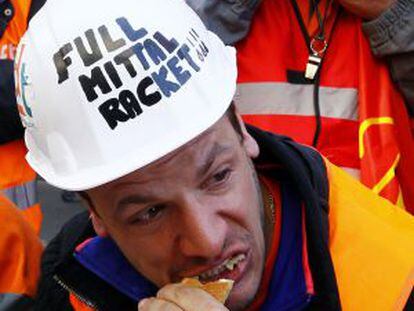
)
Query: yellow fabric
[
  {"x": 372, "y": 246},
  {"x": 20, "y": 252}
]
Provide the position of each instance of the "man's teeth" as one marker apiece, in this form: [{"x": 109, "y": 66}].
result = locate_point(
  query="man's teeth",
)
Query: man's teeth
[{"x": 229, "y": 264}]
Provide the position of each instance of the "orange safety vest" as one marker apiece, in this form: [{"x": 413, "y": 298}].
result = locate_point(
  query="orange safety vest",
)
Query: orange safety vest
[
  {"x": 373, "y": 271},
  {"x": 364, "y": 123},
  {"x": 17, "y": 179},
  {"x": 20, "y": 252},
  {"x": 371, "y": 244}
]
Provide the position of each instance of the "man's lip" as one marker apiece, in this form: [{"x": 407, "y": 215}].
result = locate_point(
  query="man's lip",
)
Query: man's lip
[
  {"x": 202, "y": 269},
  {"x": 238, "y": 272}
]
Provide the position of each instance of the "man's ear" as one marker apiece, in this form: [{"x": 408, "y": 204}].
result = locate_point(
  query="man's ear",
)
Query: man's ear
[
  {"x": 98, "y": 224},
  {"x": 249, "y": 143}
]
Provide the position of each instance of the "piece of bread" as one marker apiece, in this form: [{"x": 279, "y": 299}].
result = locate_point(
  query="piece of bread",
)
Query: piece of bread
[{"x": 219, "y": 289}]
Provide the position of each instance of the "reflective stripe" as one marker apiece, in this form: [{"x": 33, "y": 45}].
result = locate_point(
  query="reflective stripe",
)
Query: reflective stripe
[
  {"x": 14, "y": 302},
  {"x": 294, "y": 99},
  {"x": 24, "y": 196}
]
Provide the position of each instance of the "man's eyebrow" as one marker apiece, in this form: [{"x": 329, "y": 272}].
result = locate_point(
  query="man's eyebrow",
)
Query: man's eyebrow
[
  {"x": 217, "y": 150},
  {"x": 202, "y": 170},
  {"x": 131, "y": 199}
]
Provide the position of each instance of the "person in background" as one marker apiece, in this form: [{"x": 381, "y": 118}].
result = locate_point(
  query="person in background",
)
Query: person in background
[
  {"x": 316, "y": 70},
  {"x": 20, "y": 252},
  {"x": 17, "y": 179},
  {"x": 133, "y": 109}
]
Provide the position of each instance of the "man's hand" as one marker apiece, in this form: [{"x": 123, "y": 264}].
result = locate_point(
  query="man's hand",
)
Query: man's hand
[
  {"x": 179, "y": 297},
  {"x": 368, "y": 9}
]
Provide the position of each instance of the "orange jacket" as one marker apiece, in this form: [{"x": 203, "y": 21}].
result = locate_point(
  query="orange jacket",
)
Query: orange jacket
[
  {"x": 18, "y": 182},
  {"x": 364, "y": 123},
  {"x": 371, "y": 245},
  {"x": 17, "y": 179},
  {"x": 20, "y": 252}
]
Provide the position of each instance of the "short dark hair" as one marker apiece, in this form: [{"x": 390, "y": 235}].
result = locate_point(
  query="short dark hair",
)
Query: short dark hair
[
  {"x": 86, "y": 197},
  {"x": 231, "y": 115}
]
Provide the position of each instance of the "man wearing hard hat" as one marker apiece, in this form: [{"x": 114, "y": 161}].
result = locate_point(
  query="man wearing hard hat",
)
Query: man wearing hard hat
[{"x": 132, "y": 108}]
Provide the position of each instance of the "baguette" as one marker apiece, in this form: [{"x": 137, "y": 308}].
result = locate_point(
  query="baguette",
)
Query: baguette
[{"x": 219, "y": 289}]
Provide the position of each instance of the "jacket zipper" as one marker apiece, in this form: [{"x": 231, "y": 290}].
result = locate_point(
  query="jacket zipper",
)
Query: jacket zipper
[{"x": 76, "y": 294}]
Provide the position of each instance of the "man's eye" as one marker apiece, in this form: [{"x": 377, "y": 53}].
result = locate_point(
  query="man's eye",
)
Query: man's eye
[
  {"x": 149, "y": 215},
  {"x": 221, "y": 176}
]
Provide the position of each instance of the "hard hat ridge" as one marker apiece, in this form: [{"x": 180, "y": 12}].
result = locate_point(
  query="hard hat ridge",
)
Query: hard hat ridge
[{"x": 118, "y": 90}]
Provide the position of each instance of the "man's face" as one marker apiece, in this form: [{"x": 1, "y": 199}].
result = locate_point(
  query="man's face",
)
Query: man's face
[{"x": 191, "y": 212}]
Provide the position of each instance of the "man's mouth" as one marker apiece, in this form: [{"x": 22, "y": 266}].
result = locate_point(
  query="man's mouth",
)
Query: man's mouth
[{"x": 224, "y": 270}]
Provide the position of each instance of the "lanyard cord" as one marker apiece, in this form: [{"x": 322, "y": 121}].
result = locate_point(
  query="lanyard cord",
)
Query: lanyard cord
[
  {"x": 321, "y": 22},
  {"x": 319, "y": 18},
  {"x": 301, "y": 24},
  {"x": 316, "y": 103},
  {"x": 320, "y": 37}
]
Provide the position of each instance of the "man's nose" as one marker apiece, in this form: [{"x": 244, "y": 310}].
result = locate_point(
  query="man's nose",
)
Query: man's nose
[{"x": 202, "y": 231}]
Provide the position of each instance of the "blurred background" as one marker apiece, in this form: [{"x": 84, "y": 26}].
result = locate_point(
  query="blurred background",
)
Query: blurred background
[{"x": 57, "y": 207}]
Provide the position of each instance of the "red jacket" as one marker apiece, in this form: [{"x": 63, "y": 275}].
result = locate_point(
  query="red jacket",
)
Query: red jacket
[{"x": 364, "y": 124}]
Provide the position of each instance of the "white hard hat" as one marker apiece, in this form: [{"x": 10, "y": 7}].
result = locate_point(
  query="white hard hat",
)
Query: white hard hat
[{"x": 107, "y": 87}]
